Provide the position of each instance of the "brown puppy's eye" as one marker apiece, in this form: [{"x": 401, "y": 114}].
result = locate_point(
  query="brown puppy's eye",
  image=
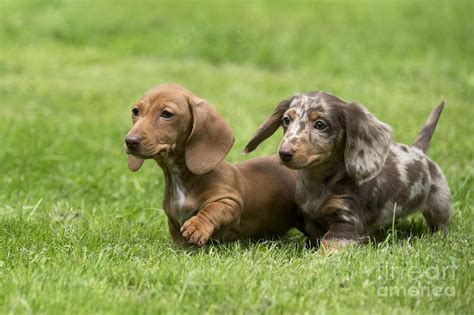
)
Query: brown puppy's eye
[
  {"x": 135, "y": 111},
  {"x": 320, "y": 125},
  {"x": 166, "y": 115},
  {"x": 286, "y": 121}
]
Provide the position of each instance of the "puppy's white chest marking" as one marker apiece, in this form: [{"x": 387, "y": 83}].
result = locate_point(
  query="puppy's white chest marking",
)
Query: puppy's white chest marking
[
  {"x": 181, "y": 198},
  {"x": 179, "y": 192},
  {"x": 182, "y": 210}
]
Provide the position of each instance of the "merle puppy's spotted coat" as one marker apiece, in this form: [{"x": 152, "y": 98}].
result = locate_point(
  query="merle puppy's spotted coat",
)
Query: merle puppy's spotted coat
[{"x": 352, "y": 176}]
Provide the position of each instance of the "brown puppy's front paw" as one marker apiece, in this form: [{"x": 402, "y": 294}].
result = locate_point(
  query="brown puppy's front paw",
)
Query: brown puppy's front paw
[{"x": 196, "y": 231}]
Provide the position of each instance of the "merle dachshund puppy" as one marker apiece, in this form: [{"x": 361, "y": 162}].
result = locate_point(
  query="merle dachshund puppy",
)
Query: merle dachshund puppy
[{"x": 353, "y": 179}]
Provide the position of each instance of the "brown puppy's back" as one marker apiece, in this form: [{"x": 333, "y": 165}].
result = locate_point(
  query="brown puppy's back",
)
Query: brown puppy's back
[{"x": 268, "y": 190}]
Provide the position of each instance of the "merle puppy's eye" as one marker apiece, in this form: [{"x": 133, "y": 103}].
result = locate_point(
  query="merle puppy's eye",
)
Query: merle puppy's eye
[
  {"x": 286, "y": 121},
  {"x": 320, "y": 125},
  {"x": 135, "y": 111},
  {"x": 166, "y": 115}
]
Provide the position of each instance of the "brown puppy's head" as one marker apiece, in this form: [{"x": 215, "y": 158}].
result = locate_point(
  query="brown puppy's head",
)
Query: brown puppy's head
[
  {"x": 320, "y": 128},
  {"x": 171, "y": 121}
]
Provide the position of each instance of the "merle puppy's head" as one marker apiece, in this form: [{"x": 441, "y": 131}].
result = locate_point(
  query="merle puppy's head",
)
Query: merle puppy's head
[{"x": 319, "y": 128}]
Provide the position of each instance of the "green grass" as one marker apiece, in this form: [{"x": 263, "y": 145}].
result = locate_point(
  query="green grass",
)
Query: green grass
[{"x": 80, "y": 234}]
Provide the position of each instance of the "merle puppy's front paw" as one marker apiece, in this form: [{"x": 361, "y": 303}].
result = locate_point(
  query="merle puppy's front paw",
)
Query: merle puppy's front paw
[
  {"x": 196, "y": 231},
  {"x": 334, "y": 246}
]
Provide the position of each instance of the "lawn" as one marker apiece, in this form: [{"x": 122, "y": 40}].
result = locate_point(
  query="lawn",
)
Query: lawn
[{"x": 80, "y": 234}]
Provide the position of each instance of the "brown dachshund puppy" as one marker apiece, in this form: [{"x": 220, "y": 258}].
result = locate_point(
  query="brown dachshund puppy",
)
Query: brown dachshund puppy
[
  {"x": 353, "y": 178},
  {"x": 206, "y": 197}
]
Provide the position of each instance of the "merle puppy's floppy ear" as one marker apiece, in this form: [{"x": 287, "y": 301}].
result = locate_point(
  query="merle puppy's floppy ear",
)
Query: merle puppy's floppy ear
[
  {"x": 134, "y": 163},
  {"x": 210, "y": 140},
  {"x": 368, "y": 142},
  {"x": 269, "y": 126}
]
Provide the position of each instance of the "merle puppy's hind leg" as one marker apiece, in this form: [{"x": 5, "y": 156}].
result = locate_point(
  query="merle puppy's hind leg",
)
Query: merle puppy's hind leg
[{"x": 437, "y": 207}]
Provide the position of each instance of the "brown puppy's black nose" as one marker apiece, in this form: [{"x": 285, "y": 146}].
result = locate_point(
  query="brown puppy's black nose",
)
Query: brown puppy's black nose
[
  {"x": 286, "y": 154},
  {"x": 132, "y": 142}
]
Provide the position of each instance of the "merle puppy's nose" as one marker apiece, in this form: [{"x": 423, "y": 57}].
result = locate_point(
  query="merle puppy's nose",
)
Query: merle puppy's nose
[
  {"x": 132, "y": 142},
  {"x": 286, "y": 154}
]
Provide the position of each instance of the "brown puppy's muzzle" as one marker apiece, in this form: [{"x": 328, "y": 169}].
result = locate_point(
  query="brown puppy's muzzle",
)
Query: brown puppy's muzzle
[
  {"x": 141, "y": 147},
  {"x": 133, "y": 143},
  {"x": 137, "y": 145}
]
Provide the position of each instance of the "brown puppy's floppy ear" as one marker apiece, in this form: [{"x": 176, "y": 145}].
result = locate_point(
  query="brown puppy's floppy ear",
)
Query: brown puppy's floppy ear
[
  {"x": 269, "y": 126},
  {"x": 134, "y": 163},
  {"x": 210, "y": 140},
  {"x": 368, "y": 142}
]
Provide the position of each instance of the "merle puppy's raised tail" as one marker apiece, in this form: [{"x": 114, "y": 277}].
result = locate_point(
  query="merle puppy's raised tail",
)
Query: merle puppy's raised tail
[{"x": 423, "y": 140}]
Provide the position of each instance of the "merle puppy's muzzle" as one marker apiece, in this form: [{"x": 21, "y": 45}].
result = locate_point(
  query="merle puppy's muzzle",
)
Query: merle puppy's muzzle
[{"x": 286, "y": 154}]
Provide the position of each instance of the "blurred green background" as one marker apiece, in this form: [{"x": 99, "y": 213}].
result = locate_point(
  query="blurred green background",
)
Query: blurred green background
[{"x": 80, "y": 234}]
